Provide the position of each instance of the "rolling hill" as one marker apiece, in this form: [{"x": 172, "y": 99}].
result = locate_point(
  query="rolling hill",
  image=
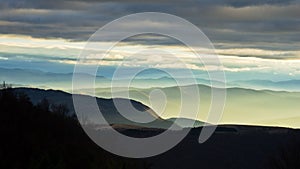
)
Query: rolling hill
[{"x": 106, "y": 106}]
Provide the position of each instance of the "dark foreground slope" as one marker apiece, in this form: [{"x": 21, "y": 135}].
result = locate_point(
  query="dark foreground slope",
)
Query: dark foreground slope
[
  {"x": 248, "y": 148},
  {"x": 33, "y": 136}
]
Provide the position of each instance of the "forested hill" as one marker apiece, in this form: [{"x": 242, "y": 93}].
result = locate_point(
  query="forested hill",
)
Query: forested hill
[{"x": 35, "y": 137}]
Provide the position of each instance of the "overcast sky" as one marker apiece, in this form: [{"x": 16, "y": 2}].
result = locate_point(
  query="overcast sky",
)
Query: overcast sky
[
  {"x": 263, "y": 29},
  {"x": 222, "y": 20}
]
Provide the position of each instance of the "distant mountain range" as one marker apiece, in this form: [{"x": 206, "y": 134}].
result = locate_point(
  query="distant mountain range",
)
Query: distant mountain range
[
  {"x": 25, "y": 77},
  {"x": 289, "y": 85},
  {"x": 242, "y": 106},
  {"x": 36, "y": 78},
  {"x": 274, "y": 103}
]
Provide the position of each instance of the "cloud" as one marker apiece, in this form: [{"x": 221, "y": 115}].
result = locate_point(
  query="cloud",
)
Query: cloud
[
  {"x": 260, "y": 53},
  {"x": 80, "y": 4},
  {"x": 262, "y": 25},
  {"x": 79, "y": 19}
]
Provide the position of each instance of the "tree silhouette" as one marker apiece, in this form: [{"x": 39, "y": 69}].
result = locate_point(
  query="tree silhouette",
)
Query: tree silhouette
[
  {"x": 5, "y": 86},
  {"x": 36, "y": 137},
  {"x": 60, "y": 109},
  {"x": 44, "y": 105}
]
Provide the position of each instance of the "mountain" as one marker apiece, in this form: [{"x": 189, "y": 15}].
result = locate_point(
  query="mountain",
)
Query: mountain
[
  {"x": 27, "y": 77},
  {"x": 185, "y": 122},
  {"x": 36, "y": 138},
  {"x": 289, "y": 85},
  {"x": 106, "y": 106},
  {"x": 63, "y": 81},
  {"x": 242, "y": 106}
]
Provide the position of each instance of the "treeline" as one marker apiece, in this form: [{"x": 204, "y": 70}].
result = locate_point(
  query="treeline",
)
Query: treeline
[{"x": 42, "y": 137}]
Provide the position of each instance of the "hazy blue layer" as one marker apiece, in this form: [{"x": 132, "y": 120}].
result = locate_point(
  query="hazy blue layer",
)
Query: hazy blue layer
[{"x": 59, "y": 76}]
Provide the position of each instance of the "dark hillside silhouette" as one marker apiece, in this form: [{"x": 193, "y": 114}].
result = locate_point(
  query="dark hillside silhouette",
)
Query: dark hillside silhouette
[
  {"x": 42, "y": 137},
  {"x": 288, "y": 156}
]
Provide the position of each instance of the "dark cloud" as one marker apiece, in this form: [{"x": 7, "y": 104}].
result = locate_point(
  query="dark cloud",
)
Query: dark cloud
[
  {"x": 83, "y": 4},
  {"x": 244, "y": 3},
  {"x": 42, "y": 4},
  {"x": 276, "y": 57},
  {"x": 228, "y": 21},
  {"x": 35, "y": 58}
]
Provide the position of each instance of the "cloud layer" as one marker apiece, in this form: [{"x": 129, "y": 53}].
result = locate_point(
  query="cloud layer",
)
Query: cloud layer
[{"x": 261, "y": 25}]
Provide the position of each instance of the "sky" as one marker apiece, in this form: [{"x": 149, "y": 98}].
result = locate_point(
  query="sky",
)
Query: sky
[{"x": 251, "y": 37}]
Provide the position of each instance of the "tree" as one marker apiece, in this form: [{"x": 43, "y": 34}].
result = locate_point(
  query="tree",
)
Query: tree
[
  {"x": 5, "y": 86},
  {"x": 37, "y": 139},
  {"x": 44, "y": 104},
  {"x": 60, "y": 109}
]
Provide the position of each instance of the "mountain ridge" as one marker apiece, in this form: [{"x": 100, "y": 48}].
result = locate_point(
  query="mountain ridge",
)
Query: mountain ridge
[{"x": 105, "y": 105}]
